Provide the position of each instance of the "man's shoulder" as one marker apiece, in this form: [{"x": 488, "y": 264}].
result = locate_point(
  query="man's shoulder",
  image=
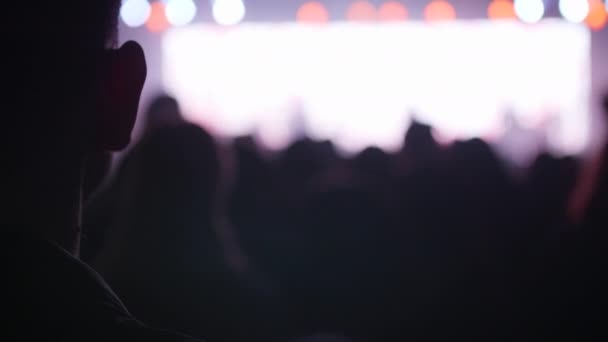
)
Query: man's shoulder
[
  {"x": 55, "y": 294},
  {"x": 53, "y": 290}
]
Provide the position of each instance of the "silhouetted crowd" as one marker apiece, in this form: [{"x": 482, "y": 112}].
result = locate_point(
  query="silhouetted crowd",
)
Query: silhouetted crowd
[
  {"x": 228, "y": 242},
  {"x": 432, "y": 243}
]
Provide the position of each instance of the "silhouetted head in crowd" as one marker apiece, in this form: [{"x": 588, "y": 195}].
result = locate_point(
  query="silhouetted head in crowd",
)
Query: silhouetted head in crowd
[
  {"x": 551, "y": 180},
  {"x": 419, "y": 135},
  {"x": 73, "y": 97},
  {"x": 419, "y": 144},
  {"x": 373, "y": 162},
  {"x": 474, "y": 160},
  {"x": 163, "y": 111},
  {"x": 305, "y": 159},
  {"x": 174, "y": 178}
]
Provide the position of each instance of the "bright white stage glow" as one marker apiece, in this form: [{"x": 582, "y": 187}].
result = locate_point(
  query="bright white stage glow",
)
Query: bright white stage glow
[
  {"x": 530, "y": 11},
  {"x": 357, "y": 83},
  {"x": 228, "y": 12},
  {"x": 134, "y": 13},
  {"x": 180, "y": 12},
  {"x": 574, "y": 10}
]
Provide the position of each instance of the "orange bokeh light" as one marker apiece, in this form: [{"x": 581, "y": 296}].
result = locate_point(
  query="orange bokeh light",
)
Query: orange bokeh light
[
  {"x": 597, "y": 18},
  {"x": 312, "y": 12},
  {"x": 501, "y": 9},
  {"x": 157, "y": 21},
  {"x": 439, "y": 10},
  {"x": 361, "y": 10},
  {"x": 392, "y": 10}
]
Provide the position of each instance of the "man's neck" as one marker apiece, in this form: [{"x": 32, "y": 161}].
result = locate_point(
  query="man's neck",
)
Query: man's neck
[
  {"x": 65, "y": 228},
  {"x": 48, "y": 206}
]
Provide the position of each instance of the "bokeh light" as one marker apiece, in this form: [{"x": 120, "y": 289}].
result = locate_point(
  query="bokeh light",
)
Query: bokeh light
[
  {"x": 501, "y": 9},
  {"x": 598, "y": 16},
  {"x": 228, "y": 12},
  {"x": 312, "y": 12},
  {"x": 361, "y": 10},
  {"x": 574, "y": 10},
  {"x": 392, "y": 10},
  {"x": 135, "y": 13},
  {"x": 530, "y": 11},
  {"x": 180, "y": 12},
  {"x": 439, "y": 10},
  {"x": 157, "y": 21}
]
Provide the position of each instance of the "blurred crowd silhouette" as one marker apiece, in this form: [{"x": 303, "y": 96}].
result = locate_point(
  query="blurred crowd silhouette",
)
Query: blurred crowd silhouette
[
  {"x": 228, "y": 242},
  {"x": 432, "y": 243}
]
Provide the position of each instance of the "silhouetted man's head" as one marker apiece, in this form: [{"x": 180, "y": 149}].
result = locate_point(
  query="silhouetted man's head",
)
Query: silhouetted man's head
[{"x": 69, "y": 97}]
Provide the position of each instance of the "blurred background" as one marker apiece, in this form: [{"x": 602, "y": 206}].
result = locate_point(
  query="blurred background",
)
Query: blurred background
[
  {"x": 276, "y": 69},
  {"x": 363, "y": 170}
]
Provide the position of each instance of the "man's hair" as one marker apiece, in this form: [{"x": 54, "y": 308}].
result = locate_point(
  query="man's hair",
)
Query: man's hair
[
  {"x": 52, "y": 55},
  {"x": 52, "y": 58},
  {"x": 81, "y": 23},
  {"x": 56, "y": 38}
]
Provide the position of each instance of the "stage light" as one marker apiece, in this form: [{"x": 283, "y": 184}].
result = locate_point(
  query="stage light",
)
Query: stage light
[
  {"x": 134, "y": 13},
  {"x": 361, "y": 10},
  {"x": 530, "y": 11},
  {"x": 312, "y": 12},
  {"x": 574, "y": 10},
  {"x": 157, "y": 21},
  {"x": 180, "y": 12},
  {"x": 228, "y": 12},
  {"x": 234, "y": 95},
  {"x": 392, "y": 10},
  {"x": 598, "y": 16},
  {"x": 439, "y": 10},
  {"x": 501, "y": 9}
]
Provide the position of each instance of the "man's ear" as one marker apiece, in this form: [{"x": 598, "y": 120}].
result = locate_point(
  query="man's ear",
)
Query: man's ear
[{"x": 122, "y": 86}]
